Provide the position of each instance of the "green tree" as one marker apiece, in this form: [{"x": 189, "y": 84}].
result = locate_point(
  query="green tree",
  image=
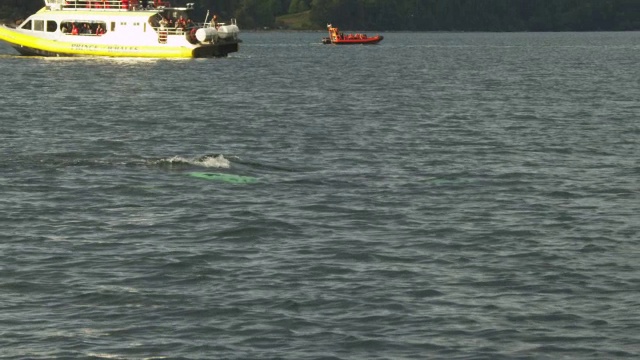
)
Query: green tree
[
  {"x": 297, "y": 6},
  {"x": 415, "y": 15}
]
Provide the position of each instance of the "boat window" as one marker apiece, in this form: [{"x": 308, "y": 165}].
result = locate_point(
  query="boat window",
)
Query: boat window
[
  {"x": 86, "y": 28},
  {"x": 113, "y": 26},
  {"x": 26, "y": 25},
  {"x": 52, "y": 26},
  {"x": 38, "y": 25}
]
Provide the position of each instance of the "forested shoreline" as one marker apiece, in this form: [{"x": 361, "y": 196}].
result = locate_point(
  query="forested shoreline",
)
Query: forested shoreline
[{"x": 410, "y": 15}]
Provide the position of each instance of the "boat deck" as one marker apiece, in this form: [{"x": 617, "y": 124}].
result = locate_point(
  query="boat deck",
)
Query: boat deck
[{"x": 109, "y": 5}]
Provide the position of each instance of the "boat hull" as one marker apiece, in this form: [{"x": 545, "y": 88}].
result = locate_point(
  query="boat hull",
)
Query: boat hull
[
  {"x": 35, "y": 46},
  {"x": 338, "y": 38},
  {"x": 199, "y": 52},
  {"x": 367, "y": 41}
]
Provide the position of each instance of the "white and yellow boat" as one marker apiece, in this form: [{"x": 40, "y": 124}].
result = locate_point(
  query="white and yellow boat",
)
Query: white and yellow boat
[{"x": 120, "y": 28}]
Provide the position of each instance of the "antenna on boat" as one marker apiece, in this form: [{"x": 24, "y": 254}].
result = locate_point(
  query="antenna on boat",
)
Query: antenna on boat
[{"x": 206, "y": 17}]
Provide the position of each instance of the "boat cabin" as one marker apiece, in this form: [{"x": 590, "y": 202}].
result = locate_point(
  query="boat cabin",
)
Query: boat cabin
[{"x": 97, "y": 18}]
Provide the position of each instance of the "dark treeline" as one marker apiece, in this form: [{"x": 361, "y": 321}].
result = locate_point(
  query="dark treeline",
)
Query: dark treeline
[{"x": 415, "y": 15}]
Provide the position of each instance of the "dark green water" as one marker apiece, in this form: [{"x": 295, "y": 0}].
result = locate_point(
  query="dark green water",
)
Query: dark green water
[{"x": 454, "y": 196}]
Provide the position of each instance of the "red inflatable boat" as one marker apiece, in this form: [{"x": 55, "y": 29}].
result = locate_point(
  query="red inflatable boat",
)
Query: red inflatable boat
[{"x": 336, "y": 37}]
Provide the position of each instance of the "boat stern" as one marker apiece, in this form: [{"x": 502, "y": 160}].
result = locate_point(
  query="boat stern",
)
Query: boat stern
[
  {"x": 215, "y": 40},
  {"x": 215, "y": 50}
]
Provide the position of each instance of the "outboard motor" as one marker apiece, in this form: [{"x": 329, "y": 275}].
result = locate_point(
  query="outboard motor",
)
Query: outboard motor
[{"x": 190, "y": 34}]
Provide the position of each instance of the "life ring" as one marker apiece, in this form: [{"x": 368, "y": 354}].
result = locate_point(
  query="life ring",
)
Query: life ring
[{"x": 191, "y": 36}]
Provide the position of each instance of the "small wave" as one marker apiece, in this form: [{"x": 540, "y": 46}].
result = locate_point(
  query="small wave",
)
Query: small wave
[
  {"x": 208, "y": 161},
  {"x": 105, "y": 356}
]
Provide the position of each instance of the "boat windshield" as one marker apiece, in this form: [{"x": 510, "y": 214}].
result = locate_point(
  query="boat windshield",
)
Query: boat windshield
[{"x": 40, "y": 25}]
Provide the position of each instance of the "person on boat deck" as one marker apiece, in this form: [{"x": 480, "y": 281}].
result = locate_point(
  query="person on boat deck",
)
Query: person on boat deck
[
  {"x": 158, "y": 3},
  {"x": 214, "y": 21},
  {"x": 74, "y": 30},
  {"x": 181, "y": 23},
  {"x": 125, "y": 4},
  {"x": 86, "y": 29},
  {"x": 164, "y": 22}
]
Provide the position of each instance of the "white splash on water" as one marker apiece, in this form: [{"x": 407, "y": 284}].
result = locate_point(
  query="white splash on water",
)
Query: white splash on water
[
  {"x": 210, "y": 161},
  {"x": 213, "y": 162}
]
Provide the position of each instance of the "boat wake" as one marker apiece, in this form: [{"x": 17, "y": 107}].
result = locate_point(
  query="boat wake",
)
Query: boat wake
[
  {"x": 210, "y": 166},
  {"x": 64, "y": 160},
  {"x": 207, "y": 161}
]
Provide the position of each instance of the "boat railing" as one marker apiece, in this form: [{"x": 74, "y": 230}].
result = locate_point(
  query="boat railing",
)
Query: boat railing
[
  {"x": 111, "y": 5},
  {"x": 168, "y": 30},
  {"x": 217, "y": 24},
  {"x": 179, "y": 30}
]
